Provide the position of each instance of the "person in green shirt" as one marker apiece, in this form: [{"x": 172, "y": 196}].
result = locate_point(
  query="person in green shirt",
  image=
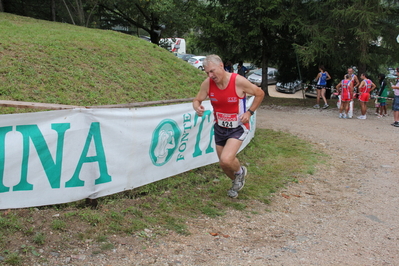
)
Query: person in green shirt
[{"x": 383, "y": 94}]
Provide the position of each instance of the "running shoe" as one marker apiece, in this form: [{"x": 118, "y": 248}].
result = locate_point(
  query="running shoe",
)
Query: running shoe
[
  {"x": 395, "y": 123},
  {"x": 232, "y": 194},
  {"x": 239, "y": 181},
  {"x": 325, "y": 106},
  {"x": 316, "y": 106},
  {"x": 362, "y": 117},
  {"x": 344, "y": 116},
  {"x": 341, "y": 115}
]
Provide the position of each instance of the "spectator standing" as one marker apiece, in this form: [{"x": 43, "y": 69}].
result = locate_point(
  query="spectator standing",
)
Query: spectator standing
[
  {"x": 383, "y": 94},
  {"x": 228, "y": 66},
  {"x": 345, "y": 88},
  {"x": 377, "y": 105},
  {"x": 242, "y": 70},
  {"x": 354, "y": 78},
  {"x": 355, "y": 82},
  {"x": 321, "y": 86},
  {"x": 395, "y": 105},
  {"x": 365, "y": 87}
]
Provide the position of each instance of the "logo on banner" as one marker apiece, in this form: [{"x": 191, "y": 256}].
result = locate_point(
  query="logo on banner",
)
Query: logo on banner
[
  {"x": 164, "y": 142},
  {"x": 171, "y": 138}
]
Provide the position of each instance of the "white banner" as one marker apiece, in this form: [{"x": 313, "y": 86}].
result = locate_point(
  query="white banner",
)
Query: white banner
[{"x": 63, "y": 156}]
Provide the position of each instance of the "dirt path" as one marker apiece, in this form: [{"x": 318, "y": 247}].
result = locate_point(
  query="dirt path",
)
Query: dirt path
[{"x": 347, "y": 213}]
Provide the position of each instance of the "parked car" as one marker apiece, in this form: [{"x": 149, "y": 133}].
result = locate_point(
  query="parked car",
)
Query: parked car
[
  {"x": 256, "y": 76},
  {"x": 185, "y": 57},
  {"x": 197, "y": 61},
  {"x": 289, "y": 87},
  {"x": 146, "y": 38},
  {"x": 311, "y": 92}
]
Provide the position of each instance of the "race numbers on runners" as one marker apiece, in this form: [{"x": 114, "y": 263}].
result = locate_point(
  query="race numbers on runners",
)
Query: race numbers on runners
[{"x": 227, "y": 120}]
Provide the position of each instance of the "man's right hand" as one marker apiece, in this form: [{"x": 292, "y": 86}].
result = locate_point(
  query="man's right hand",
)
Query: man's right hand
[{"x": 200, "y": 110}]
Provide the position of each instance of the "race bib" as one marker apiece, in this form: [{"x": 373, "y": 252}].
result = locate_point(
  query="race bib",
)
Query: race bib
[{"x": 227, "y": 120}]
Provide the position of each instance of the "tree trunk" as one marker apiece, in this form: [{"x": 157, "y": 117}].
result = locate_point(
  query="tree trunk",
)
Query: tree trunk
[
  {"x": 265, "y": 77},
  {"x": 265, "y": 64},
  {"x": 80, "y": 12},
  {"x": 69, "y": 12},
  {"x": 53, "y": 12},
  {"x": 89, "y": 16},
  {"x": 1, "y": 6},
  {"x": 362, "y": 68},
  {"x": 155, "y": 36}
]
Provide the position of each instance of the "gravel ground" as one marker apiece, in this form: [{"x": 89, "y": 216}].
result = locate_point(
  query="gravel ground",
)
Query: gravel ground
[{"x": 346, "y": 213}]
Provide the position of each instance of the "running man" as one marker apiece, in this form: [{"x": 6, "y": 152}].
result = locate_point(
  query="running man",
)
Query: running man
[{"x": 227, "y": 92}]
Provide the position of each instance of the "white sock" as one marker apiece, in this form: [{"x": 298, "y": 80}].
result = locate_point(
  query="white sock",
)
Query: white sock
[{"x": 239, "y": 171}]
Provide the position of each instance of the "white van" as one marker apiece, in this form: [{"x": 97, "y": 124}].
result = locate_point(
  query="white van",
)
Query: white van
[{"x": 174, "y": 45}]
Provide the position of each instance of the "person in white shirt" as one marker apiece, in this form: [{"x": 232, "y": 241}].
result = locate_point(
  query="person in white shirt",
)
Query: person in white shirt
[{"x": 395, "y": 105}]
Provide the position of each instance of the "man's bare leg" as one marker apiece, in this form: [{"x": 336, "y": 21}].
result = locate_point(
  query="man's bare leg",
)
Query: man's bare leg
[
  {"x": 231, "y": 165},
  {"x": 227, "y": 157}
]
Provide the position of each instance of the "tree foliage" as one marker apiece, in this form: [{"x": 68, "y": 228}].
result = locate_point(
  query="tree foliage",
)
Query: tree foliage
[
  {"x": 80, "y": 12},
  {"x": 40, "y": 9},
  {"x": 239, "y": 29},
  {"x": 294, "y": 36},
  {"x": 352, "y": 33},
  {"x": 169, "y": 18},
  {"x": 77, "y": 12},
  {"x": 297, "y": 36}
]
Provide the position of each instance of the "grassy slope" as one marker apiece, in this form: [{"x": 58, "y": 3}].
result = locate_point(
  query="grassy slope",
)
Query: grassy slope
[{"x": 50, "y": 62}]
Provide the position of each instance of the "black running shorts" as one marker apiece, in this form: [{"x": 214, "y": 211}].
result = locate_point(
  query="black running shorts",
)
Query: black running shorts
[{"x": 222, "y": 134}]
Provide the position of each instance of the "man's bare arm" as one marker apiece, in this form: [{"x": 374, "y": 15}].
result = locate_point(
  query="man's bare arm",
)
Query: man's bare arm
[
  {"x": 244, "y": 86},
  {"x": 201, "y": 96}
]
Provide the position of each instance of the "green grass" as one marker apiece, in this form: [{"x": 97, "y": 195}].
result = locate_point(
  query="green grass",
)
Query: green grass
[
  {"x": 274, "y": 159},
  {"x": 39, "y": 238},
  {"x": 52, "y": 62},
  {"x": 59, "y": 63},
  {"x": 13, "y": 259}
]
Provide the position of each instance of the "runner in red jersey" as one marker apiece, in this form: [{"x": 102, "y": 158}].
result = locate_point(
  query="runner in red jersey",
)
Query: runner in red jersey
[
  {"x": 227, "y": 92},
  {"x": 227, "y": 105},
  {"x": 355, "y": 83},
  {"x": 365, "y": 87},
  {"x": 345, "y": 87}
]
